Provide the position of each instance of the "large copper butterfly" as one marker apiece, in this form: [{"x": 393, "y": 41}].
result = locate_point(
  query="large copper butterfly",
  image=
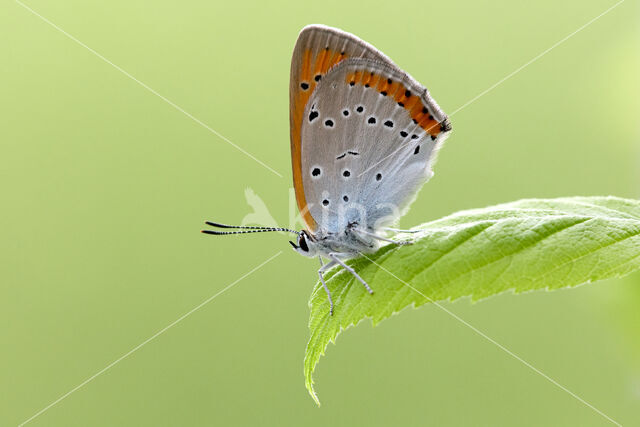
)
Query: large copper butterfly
[{"x": 364, "y": 138}]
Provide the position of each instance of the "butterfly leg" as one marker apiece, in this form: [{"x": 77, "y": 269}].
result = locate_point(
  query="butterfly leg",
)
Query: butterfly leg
[
  {"x": 335, "y": 260},
  {"x": 384, "y": 239},
  {"x": 397, "y": 230},
  {"x": 323, "y": 267}
]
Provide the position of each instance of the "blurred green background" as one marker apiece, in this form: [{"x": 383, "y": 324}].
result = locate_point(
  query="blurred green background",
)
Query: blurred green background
[{"x": 105, "y": 186}]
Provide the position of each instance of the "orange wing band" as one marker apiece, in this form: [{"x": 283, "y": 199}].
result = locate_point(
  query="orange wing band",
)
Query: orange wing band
[
  {"x": 410, "y": 102},
  {"x": 312, "y": 70}
]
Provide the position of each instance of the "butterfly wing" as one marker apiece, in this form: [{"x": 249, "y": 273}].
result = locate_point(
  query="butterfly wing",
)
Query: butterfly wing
[
  {"x": 367, "y": 138},
  {"x": 317, "y": 50}
]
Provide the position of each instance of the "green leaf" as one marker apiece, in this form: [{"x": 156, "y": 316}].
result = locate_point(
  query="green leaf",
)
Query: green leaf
[{"x": 520, "y": 246}]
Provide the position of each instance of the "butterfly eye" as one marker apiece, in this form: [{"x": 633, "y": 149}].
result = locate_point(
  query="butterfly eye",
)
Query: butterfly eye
[{"x": 303, "y": 243}]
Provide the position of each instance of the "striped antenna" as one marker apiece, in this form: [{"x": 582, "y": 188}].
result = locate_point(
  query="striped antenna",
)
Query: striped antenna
[{"x": 244, "y": 229}]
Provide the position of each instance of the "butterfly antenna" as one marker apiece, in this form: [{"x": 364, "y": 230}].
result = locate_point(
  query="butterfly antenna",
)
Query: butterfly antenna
[{"x": 243, "y": 229}]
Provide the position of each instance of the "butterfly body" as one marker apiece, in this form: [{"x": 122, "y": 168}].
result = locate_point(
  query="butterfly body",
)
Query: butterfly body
[
  {"x": 347, "y": 242},
  {"x": 364, "y": 138}
]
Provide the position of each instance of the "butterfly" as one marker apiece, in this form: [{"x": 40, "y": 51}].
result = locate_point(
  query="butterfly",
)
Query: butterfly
[{"x": 364, "y": 138}]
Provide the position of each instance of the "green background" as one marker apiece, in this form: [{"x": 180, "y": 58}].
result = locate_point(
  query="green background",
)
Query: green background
[{"x": 104, "y": 187}]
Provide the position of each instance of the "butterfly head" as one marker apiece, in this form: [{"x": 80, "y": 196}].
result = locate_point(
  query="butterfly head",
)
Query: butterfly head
[{"x": 305, "y": 245}]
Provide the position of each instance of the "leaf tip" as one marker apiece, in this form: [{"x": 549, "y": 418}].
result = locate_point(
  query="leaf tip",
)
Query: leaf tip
[{"x": 312, "y": 392}]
